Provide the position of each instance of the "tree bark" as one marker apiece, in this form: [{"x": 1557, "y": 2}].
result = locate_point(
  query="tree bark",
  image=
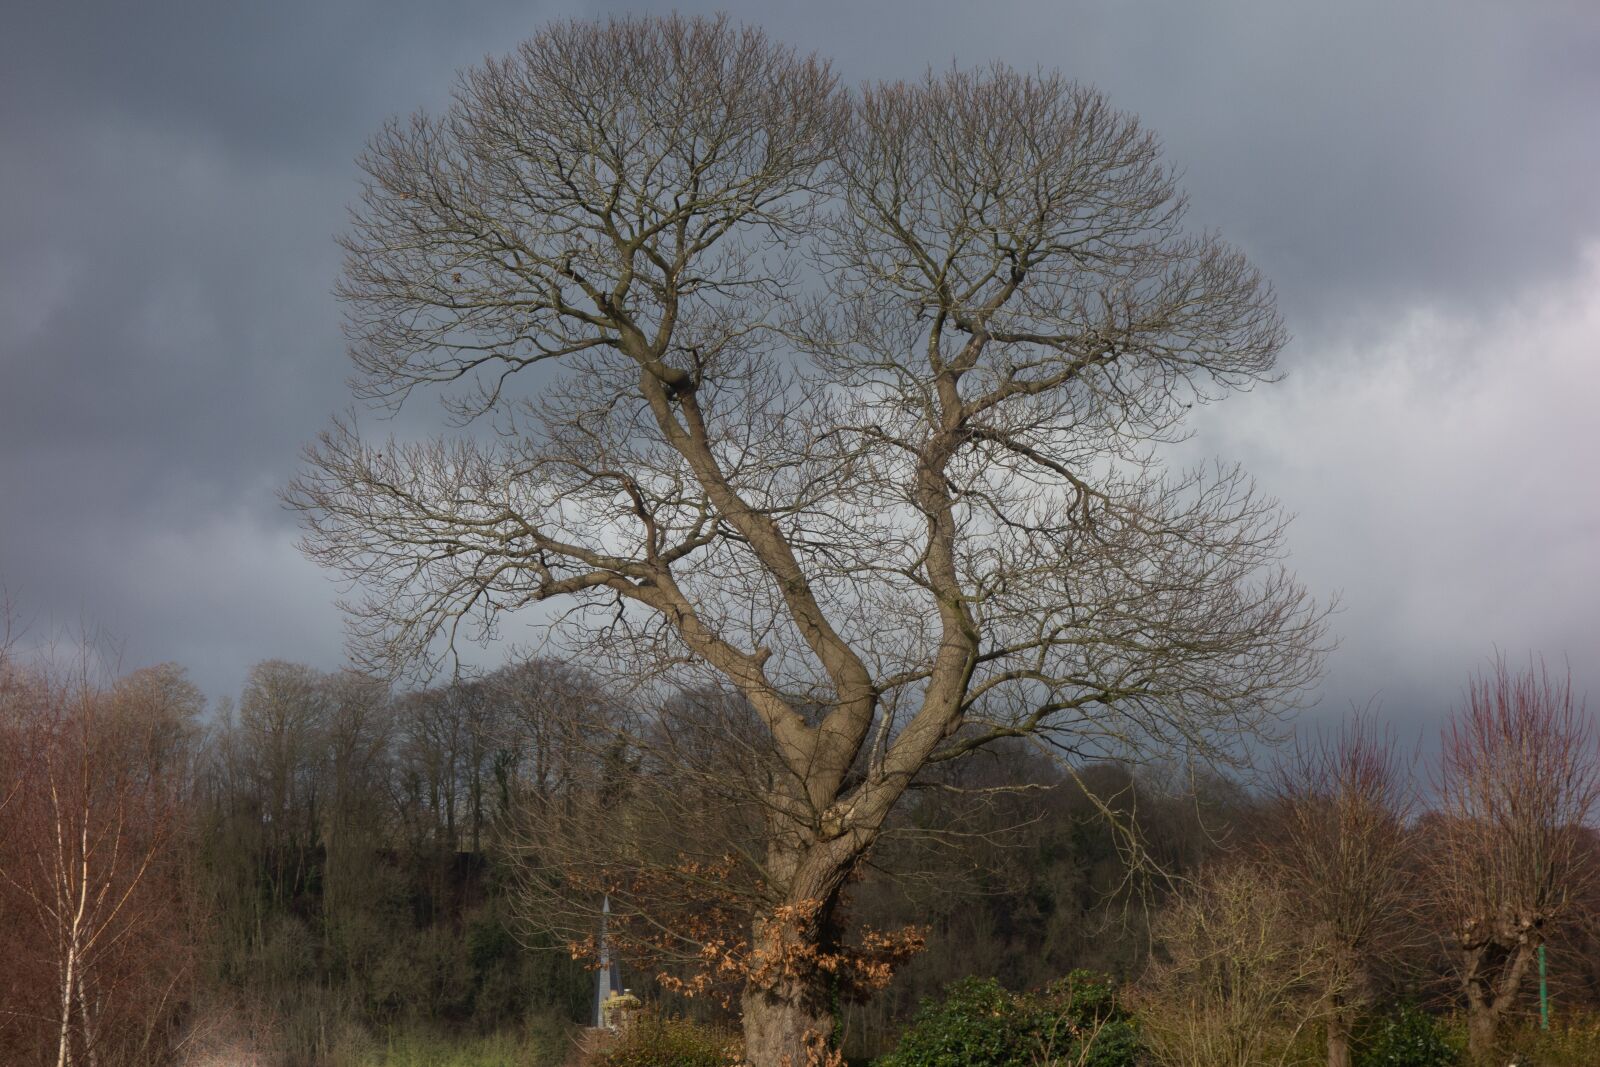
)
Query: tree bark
[
  {"x": 783, "y": 1030},
  {"x": 91, "y": 1054},
  {"x": 789, "y": 1011},
  {"x": 1489, "y": 996},
  {"x": 1339, "y": 1039},
  {"x": 64, "y": 1035},
  {"x": 1482, "y": 1032}
]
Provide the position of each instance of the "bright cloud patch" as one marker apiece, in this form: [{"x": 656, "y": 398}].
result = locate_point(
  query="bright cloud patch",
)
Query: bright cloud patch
[{"x": 1445, "y": 479}]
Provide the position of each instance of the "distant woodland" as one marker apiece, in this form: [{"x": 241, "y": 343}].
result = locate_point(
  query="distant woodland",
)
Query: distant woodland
[{"x": 328, "y": 860}]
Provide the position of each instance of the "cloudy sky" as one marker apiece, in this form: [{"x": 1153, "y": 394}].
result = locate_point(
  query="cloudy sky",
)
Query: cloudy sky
[{"x": 1420, "y": 180}]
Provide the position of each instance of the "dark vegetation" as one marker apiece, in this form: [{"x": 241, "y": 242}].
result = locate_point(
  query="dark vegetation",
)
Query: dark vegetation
[{"x": 327, "y": 870}]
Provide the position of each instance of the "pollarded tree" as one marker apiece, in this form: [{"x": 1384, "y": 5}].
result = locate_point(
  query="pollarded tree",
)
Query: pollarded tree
[
  {"x": 1338, "y": 844},
  {"x": 1519, "y": 782},
  {"x": 850, "y": 399}
]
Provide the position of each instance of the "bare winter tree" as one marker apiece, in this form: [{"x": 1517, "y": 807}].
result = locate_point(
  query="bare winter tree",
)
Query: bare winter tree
[
  {"x": 548, "y": 710},
  {"x": 93, "y": 890},
  {"x": 1519, "y": 781},
  {"x": 282, "y": 713},
  {"x": 1339, "y": 845},
  {"x": 1236, "y": 977},
  {"x": 851, "y": 400}
]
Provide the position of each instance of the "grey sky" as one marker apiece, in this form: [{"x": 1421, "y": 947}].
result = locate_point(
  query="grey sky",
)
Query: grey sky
[{"x": 1418, "y": 180}]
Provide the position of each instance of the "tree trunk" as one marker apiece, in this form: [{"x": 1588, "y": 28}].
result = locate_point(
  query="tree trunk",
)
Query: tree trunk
[
  {"x": 1481, "y": 1016},
  {"x": 90, "y": 1053},
  {"x": 1482, "y": 1033},
  {"x": 784, "y": 1030},
  {"x": 64, "y": 1036},
  {"x": 1490, "y": 994},
  {"x": 70, "y": 981},
  {"x": 788, "y": 1013},
  {"x": 1339, "y": 1039}
]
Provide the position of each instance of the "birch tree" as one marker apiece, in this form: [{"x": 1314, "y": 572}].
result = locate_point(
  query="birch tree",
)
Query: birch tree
[{"x": 92, "y": 886}]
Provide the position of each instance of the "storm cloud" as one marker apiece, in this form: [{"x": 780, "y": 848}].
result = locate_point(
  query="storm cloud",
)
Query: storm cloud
[{"x": 1418, "y": 180}]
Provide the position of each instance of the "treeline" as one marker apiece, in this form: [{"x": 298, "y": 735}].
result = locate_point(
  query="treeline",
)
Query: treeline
[
  {"x": 326, "y": 860},
  {"x": 347, "y": 843},
  {"x": 1352, "y": 900},
  {"x": 315, "y": 862},
  {"x": 1029, "y": 885}
]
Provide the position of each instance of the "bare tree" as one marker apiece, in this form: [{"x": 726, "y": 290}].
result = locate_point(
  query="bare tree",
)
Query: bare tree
[
  {"x": 852, "y": 402},
  {"x": 433, "y": 739},
  {"x": 98, "y": 935},
  {"x": 1236, "y": 978},
  {"x": 547, "y": 710},
  {"x": 355, "y": 765},
  {"x": 282, "y": 713},
  {"x": 1519, "y": 781},
  {"x": 1338, "y": 844}
]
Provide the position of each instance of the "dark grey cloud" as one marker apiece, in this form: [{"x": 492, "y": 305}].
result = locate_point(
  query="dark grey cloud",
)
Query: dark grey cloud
[
  {"x": 1413, "y": 177},
  {"x": 1367, "y": 154},
  {"x": 1442, "y": 476}
]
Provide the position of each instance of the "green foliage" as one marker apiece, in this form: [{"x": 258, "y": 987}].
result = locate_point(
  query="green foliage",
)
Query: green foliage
[
  {"x": 974, "y": 1026},
  {"x": 1077, "y": 1020},
  {"x": 1408, "y": 1037},
  {"x": 1080, "y": 1018},
  {"x": 660, "y": 1041}
]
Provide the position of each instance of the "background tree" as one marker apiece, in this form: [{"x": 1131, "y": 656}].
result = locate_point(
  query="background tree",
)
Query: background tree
[
  {"x": 354, "y": 824},
  {"x": 1337, "y": 843},
  {"x": 1236, "y": 977},
  {"x": 1030, "y": 885},
  {"x": 852, "y": 405},
  {"x": 94, "y": 887},
  {"x": 548, "y": 710},
  {"x": 371, "y": 907},
  {"x": 1519, "y": 780},
  {"x": 282, "y": 712}
]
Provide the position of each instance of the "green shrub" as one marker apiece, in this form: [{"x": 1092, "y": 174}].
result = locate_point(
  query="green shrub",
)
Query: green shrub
[
  {"x": 1408, "y": 1037},
  {"x": 976, "y": 1025},
  {"x": 1076, "y": 1020},
  {"x": 1079, "y": 1019},
  {"x": 658, "y": 1041}
]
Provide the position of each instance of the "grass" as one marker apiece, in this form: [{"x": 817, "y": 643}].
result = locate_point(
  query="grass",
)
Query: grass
[
  {"x": 1573, "y": 1040},
  {"x": 543, "y": 1046}
]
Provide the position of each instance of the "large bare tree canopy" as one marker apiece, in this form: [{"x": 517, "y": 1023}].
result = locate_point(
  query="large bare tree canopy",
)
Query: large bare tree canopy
[{"x": 854, "y": 400}]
